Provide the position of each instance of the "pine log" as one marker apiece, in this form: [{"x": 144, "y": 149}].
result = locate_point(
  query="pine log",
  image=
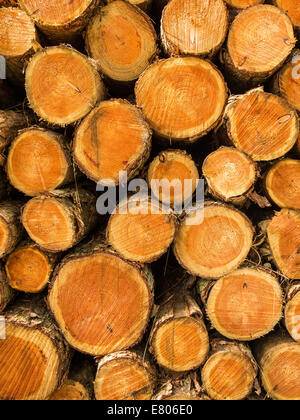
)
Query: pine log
[
  {"x": 34, "y": 357},
  {"x": 179, "y": 339},
  {"x": 125, "y": 375},
  {"x": 79, "y": 384},
  {"x": 207, "y": 23},
  {"x": 292, "y": 311},
  {"x": 145, "y": 5},
  {"x": 62, "y": 85},
  {"x": 179, "y": 389},
  {"x": 18, "y": 39},
  {"x": 259, "y": 41},
  {"x": 230, "y": 371},
  {"x": 279, "y": 359},
  {"x": 28, "y": 268},
  {"x": 243, "y": 4},
  {"x": 62, "y": 21},
  {"x": 291, "y": 7},
  {"x": 6, "y": 292},
  {"x": 177, "y": 168},
  {"x": 230, "y": 174},
  {"x": 122, "y": 39},
  {"x": 260, "y": 124},
  {"x": 283, "y": 233},
  {"x": 59, "y": 220},
  {"x": 216, "y": 246},
  {"x": 11, "y": 229},
  {"x": 182, "y": 98},
  {"x": 143, "y": 233},
  {"x": 101, "y": 302},
  {"x": 286, "y": 81},
  {"x": 114, "y": 137},
  {"x": 283, "y": 183},
  {"x": 38, "y": 161},
  {"x": 245, "y": 304}
]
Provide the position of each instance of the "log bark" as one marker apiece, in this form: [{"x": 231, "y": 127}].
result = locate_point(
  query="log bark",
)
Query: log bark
[
  {"x": 292, "y": 9},
  {"x": 61, "y": 21},
  {"x": 114, "y": 137},
  {"x": 207, "y": 24},
  {"x": 101, "y": 302},
  {"x": 79, "y": 384},
  {"x": 59, "y": 220},
  {"x": 129, "y": 368},
  {"x": 279, "y": 359},
  {"x": 18, "y": 40},
  {"x": 230, "y": 174},
  {"x": 9, "y": 3},
  {"x": 6, "y": 292},
  {"x": 179, "y": 339},
  {"x": 260, "y": 124},
  {"x": 230, "y": 370},
  {"x": 292, "y": 311},
  {"x": 28, "y": 268},
  {"x": 283, "y": 236},
  {"x": 62, "y": 85},
  {"x": 249, "y": 62},
  {"x": 11, "y": 229},
  {"x": 38, "y": 355},
  {"x": 180, "y": 389},
  {"x": 167, "y": 93},
  {"x": 245, "y": 304},
  {"x": 38, "y": 161},
  {"x": 177, "y": 169},
  {"x": 282, "y": 183},
  {"x": 213, "y": 246},
  {"x": 123, "y": 48},
  {"x": 143, "y": 233}
]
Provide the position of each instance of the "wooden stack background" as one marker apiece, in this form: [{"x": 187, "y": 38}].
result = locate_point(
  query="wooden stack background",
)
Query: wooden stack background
[{"x": 150, "y": 306}]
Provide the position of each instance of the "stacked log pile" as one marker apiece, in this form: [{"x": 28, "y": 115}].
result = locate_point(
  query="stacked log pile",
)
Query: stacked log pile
[{"x": 113, "y": 286}]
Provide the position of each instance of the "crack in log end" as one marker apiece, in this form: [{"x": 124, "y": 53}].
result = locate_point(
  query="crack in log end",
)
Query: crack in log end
[
  {"x": 91, "y": 160},
  {"x": 284, "y": 118},
  {"x": 109, "y": 329}
]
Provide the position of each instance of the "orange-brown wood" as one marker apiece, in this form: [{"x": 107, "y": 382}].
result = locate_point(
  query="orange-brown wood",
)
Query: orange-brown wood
[
  {"x": 70, "y": 391},
  {"x": 292, "y": 8},
  {"x": 243, "y": 4},
  {"x": 283, "y": 233},
  {"x": 182, "y": 98},
  {"x": 279, "y": 360},
  {"x": 114, "y": 137},
  {"x": 173, "y": 168},
  {"x": 125, "y": 375},
  {"x": 215, "y": 245},
  {"x": 11, "y": 229},
  {"x": 261, "y": 124},
  {"x": 39, "y": 161},
  {"x": 6, "y": 292},
  {"x": 122, "y": 39},
  {"x": 230, "y": 174},
  {"x": 292, "y": 311},
  {"x": 230, "y": 371},
  {"x": 245, "y": 304},
  {"x": 62, "y": 85},
  {"x": 101, "y": 302},
  {"x": 194, "y": 27},
  {"x": 141, "y": 232},
  {"x": 283, "y": 183}
]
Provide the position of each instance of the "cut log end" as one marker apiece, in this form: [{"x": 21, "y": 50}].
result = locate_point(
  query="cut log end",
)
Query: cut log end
[
  {"x": 276, "y": 40},
  {"x": 246, "y": 304},
  {"x": 282, "y": 183},
  {"x": 114, "y": 137},
  {"x": 116, "y": 306},
  {"x": 284, "y": 238},
  {"x": 292, "y": 312},
  {"x": 10, "y": 227},
  {"x": 207, "y": 23},
  {"x": 136, "y": 377},
  {"x": 216, "y": 246},
  {"x": 243, "y": 4},
  {"x": 17, "y": 32},
  {"x": 287, "y": 81},
  {"x": 122, "y": 39},
  {"x": 175, "y": 167},
  {"x": 143, "y": 236},
  {"x": 229, "y": 173},
  {"x": 28, "y": 269},
  {"x": 290, "y": 7},
  {"x": 172, "y": 92},
  {"x": 273, "y": 130},
  {"x": 62, "y": 85},
  {"x": 70, "y": 391},
  {"x": 38, "y": 162}
]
